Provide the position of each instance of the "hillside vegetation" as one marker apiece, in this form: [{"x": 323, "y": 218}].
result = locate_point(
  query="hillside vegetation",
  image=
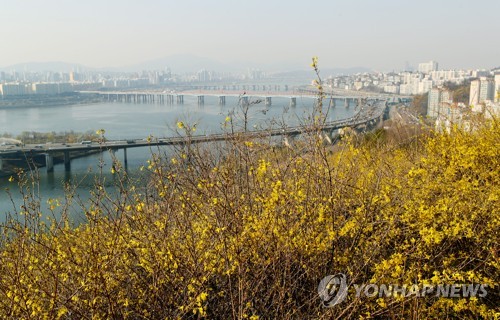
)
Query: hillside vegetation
[{"x": 250, "y": 230}]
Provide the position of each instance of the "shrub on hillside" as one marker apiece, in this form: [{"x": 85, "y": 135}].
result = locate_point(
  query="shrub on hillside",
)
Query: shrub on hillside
[{"x": 250, "y": 232}]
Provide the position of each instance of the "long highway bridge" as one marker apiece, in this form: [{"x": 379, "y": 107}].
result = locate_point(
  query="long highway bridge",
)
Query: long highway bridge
[
  {"x": 370, "y": 114},
  {"x": 171, "y": 97}
]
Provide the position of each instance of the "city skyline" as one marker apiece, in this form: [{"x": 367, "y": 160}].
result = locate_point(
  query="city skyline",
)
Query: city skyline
[{"x": 382, "y": 36}]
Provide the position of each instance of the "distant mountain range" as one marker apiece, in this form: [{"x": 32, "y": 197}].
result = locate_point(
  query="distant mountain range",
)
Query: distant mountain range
[{"x": 185, "y": 63}]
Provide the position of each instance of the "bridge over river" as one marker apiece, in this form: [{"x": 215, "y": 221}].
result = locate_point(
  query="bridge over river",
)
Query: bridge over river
[
  {"x": 171, "y": 97},
  {"x": 370, "y": 114}
]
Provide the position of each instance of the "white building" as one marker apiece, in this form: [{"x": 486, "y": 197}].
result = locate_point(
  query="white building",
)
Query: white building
[
  {"x": 497, "y": 88},
  {"x": 424, "y": 86},
  {"x": 481, "y": 90},
  {"x": 487, "y": 90},
  {"x": 480, "y": 73},
  {"x": 427, "y": 67},
  {"x": 405, "y": 89},
  {"x": 474, "y": 93},
  {"x": 438, "y": 98},
  {"x": 204, "y": 76},
  {"x": 491, "y": 109},
  {"x": 15, "y": 89},
  {"x": 45, "y": 88},
  {"x": 451, "y": 114},
  {"x": 358, "y": 85},
  {"x": 391, "y": 89}
]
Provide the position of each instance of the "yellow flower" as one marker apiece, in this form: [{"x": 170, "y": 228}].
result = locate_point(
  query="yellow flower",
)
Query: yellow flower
[
  {"x": 228, "y": 118},
  {"x": 11, "y": 179},
  {"x": 180, "y": 125}
]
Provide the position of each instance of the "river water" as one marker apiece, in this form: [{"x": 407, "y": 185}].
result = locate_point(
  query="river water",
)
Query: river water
[{"x": 133, "y": 121}]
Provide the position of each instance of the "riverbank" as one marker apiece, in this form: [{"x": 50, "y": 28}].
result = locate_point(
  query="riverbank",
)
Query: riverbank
[{"x": 48, "y": 100}]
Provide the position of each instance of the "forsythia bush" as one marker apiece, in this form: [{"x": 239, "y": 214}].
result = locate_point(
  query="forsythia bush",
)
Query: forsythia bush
[{"x": 250, "y": 232}]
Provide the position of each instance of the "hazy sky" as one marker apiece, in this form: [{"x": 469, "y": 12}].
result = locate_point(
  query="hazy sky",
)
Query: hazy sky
[{"x": 380, "y": 34}]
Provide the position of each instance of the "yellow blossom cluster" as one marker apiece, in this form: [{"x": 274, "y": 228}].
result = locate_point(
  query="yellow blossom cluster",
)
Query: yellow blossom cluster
[{"x": 250, "y": 234}]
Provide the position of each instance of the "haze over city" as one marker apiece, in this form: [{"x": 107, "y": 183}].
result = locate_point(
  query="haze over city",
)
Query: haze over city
[{"x": 273, "y": 35}]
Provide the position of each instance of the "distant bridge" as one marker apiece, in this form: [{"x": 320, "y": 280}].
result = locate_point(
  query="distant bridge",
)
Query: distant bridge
[
  {"x": 165, "y": 97},
  {"x": 371, "y": 113}
]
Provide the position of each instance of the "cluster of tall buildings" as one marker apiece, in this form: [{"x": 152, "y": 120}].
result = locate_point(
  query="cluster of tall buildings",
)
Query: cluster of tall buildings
[
  {"x": 52, "y": 83},
  {"x": 39, "y": 88},
  {"x": 484, "y": 98},
  {"x": 427, "y": 67},
  {"x": 32, "y": 83},
  {"x": 408, "y": 83}
]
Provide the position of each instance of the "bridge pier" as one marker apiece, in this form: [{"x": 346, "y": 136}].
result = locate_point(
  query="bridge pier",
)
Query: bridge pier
[
  {"x": 222, "y": 100},
  {"x": 1, "y": 164},
  {"x": 201, "y": 100},
  {"x": 293, "y": 101},
  {"x": 288, "y": 141},
  {"x": 268, "y": 101},
  {"x": 325, "y": 136},
  {"x": 346, "y": 102},
  {"x": 333, "y": 135},
  {"x": 125, "y": 158},
  {"x": 180, "y": 99},
  {"x": 244, "y": 101},
  {"x": 49, "y": 162},
  {"x": 67, "y": 161}
]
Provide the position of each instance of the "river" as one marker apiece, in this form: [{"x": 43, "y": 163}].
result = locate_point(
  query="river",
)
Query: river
[{"x": 133, "y": 121}]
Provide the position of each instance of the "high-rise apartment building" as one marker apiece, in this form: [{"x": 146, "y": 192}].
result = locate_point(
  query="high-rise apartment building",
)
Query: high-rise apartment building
[
  {"x": 438, "y": 97},
  {"x": 474, "y": 92},
  {"x": 481, "y": 90},
  {"x": 433, "y": 103},
  {"x": 497, "y": 88},
  {"x": 487, "y": 90},
  {"x": 427, "y": 67},
  {"x": 15, "y": 89}
]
